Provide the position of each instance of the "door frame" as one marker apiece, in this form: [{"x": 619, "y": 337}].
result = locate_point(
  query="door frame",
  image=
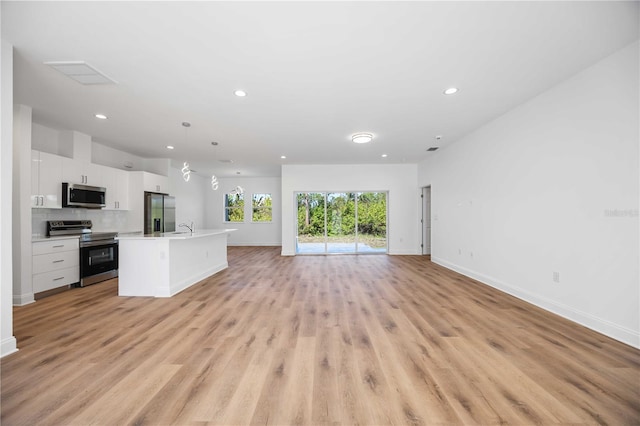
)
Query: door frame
[{"x": 426, "y": 220}]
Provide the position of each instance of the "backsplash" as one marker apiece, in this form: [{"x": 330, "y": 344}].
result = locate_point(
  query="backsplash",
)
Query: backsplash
[{"x": 103, "y": 220}]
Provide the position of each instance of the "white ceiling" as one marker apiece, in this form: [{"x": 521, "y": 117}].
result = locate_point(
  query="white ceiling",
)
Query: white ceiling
[{"x": 315, "y": 73}]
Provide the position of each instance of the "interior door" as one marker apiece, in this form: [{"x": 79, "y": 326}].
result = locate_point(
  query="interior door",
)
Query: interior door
[{"x": 426, "y": 220}]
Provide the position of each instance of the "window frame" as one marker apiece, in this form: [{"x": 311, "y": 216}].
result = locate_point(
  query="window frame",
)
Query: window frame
[
  {"x": 228, "y": 209},
  {"x": 264, "y": 208}
]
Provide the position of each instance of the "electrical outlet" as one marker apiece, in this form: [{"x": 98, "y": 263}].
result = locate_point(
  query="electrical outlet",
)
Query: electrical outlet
[{"x": 556, "y": 277}]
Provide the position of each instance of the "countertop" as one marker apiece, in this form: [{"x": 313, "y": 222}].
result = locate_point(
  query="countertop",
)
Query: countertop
[
  {"x": 39, "y": 237},
  {"x": 178, "y": 235},
  {"x": 36, "y": 238}
]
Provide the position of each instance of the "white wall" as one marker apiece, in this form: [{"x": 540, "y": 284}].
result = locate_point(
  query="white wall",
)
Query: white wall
[
  {"x": 21, "y": 206},
  {"x": 551, "y": 186},
  {"x": 110, "y": 157},
  {"x": 248, "y": 233},
  {"x": 190, "y": 198},
  {"x": 7, "y": 340},
  {"x": 403, "y": 231}
]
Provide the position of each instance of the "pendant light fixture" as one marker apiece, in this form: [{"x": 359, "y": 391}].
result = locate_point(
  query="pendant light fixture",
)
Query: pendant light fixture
[
  {"x": 238, "y": 190},
  {"x": 186, "y": 170},
  {"x": 214, "y": 180}
]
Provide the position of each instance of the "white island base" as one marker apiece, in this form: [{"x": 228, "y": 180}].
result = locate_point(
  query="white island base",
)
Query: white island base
[{"x": 162, "y": 265}]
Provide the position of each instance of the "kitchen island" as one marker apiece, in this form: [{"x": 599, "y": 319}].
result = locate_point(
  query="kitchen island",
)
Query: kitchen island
[{"x": 164, "y": 264}]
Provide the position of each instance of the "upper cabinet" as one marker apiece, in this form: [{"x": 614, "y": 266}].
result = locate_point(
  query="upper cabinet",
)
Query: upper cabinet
[
  {"x": 155, "y": 183},
  {"x": 82, "y": 172},
  {"x": 116, "y": 182},
  {"x": 46, "y": 180}
]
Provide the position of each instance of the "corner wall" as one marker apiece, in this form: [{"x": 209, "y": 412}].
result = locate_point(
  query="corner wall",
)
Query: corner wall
[
  {"x": 7, "y": 340},
  {"x": 542, "y": 203},
  {"x": 399, "y": 180}
]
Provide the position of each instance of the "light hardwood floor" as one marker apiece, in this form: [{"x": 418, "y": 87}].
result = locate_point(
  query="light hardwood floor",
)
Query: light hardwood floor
[{"x": 277, "y": 340}]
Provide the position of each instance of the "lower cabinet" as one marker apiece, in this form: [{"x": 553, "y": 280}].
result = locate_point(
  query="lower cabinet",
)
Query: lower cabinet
[{"x": 56, "y": 263}]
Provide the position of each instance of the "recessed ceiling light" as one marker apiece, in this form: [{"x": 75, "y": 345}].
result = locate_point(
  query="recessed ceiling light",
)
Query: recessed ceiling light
[
  {"x": 101, "y": 116},
  {"x": 384, "y": 155},
  {"x": 362, "y": 137},
  {"x": 283, "y": 157},
  {"x": 240, "y": 93},
  {"x": 450, "y": 91},
  {"x": 169, "y": 147}
]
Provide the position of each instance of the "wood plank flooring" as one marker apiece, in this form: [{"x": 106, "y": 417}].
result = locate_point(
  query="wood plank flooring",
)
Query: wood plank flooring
[{"x": 369, "y": 340}]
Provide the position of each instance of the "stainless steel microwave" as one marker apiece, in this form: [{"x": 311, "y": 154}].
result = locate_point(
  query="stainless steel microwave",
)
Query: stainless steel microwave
[{"x": 75, "y": 195}]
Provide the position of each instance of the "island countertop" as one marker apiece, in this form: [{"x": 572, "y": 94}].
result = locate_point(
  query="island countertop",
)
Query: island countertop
[
  {"x": 164, "y": 264},
  {"x": 178, "y": 235}
]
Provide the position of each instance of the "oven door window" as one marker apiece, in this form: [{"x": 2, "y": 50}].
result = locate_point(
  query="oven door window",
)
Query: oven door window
[{"x": 99, "y": 259}]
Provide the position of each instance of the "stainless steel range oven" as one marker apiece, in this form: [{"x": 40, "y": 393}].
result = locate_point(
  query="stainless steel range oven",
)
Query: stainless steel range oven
[
  {"x": 98, "y": 258},
  {"x": 98, "y": 250}
]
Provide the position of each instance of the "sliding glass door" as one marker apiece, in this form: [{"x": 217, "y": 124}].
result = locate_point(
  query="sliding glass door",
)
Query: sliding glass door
[{"x": 341, "y": 222}]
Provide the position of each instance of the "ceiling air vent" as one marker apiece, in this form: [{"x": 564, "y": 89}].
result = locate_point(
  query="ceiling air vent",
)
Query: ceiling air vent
[
  {"x": 81, "y": 72},
  {"x": 433, "y": 148}
]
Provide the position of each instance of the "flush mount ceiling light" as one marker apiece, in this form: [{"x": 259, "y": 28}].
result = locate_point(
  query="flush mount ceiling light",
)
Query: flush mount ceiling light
[
  {"x": 384, "y": 155},
  {"x": 186, "y": 171},
  {"x": 169, "y": 146},
  {"x": 240, "y": 93},
  {"x": 362, "y": 138},
  {"x": 451, "y": 91},
  {"x": 284, "y": 157},
  {"x": 101, "y": 116}
]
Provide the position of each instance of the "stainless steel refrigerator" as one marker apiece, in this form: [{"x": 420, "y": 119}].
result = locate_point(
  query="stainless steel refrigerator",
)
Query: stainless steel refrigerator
[{"x": 159, "y": 213}]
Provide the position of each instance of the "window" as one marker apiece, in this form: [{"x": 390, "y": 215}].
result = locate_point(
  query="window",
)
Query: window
[
  {"x": 262, "y": 210},
  {"x": 234, "y": 207}
]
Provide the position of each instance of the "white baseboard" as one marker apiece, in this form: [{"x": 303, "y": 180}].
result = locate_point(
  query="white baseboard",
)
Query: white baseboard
[
  {"x": 189, "y": 281},
  {"x": 23, "y": 299},
  {"x": 403, "y": 252},
  {"x": 8, "y": 346},
  {"x": 238, "y": 244},
  {"x": 615, "y": 331}
]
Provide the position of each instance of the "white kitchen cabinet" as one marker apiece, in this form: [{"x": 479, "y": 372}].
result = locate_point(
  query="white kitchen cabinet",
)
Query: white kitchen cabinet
[
  {"x": 55, "y": 263},
  {"x": 46, "y": 180},
  {"x": 82, "y": 172},
  {"x": 116, "y": 182},
  {"x": 155, "y": 183}
]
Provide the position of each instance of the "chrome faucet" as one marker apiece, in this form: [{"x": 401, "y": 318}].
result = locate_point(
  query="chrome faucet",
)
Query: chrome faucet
[{"x": 189, "y": 227}]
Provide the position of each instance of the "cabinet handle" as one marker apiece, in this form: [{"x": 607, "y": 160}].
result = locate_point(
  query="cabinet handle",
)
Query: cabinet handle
[
  {"x": 58, "y": 261},
  {"x": 58, "y": 279},
  {"x": 61, "y": 245}
]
